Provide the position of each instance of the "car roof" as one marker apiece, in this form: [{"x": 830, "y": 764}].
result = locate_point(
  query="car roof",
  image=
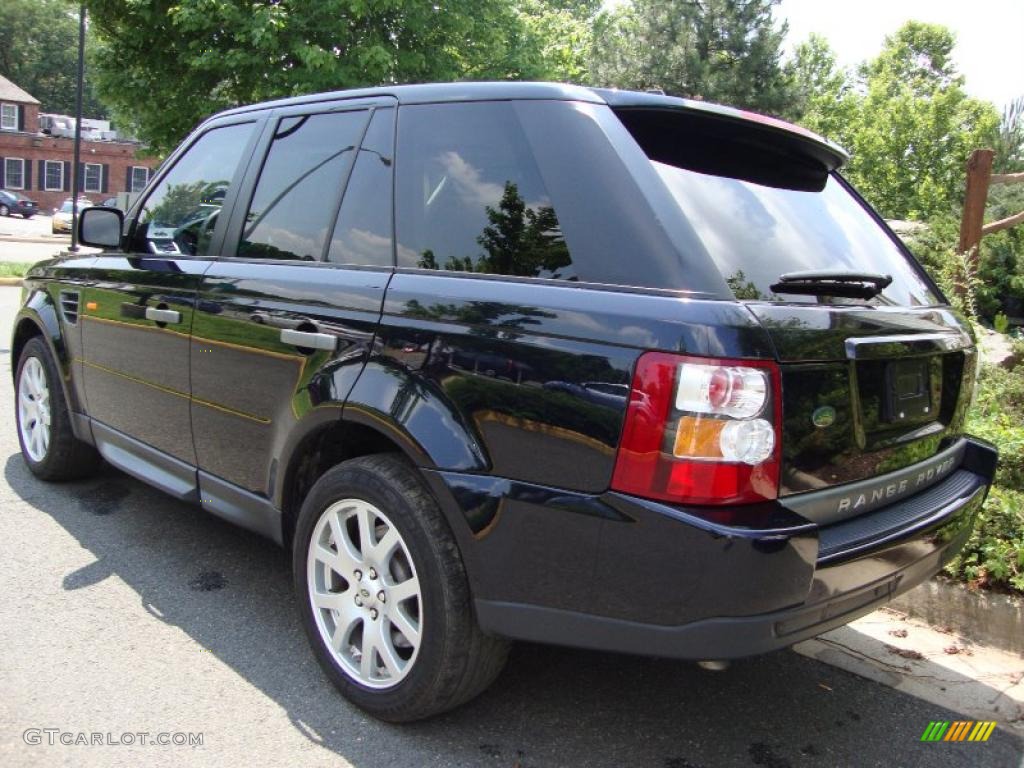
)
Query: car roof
[{"x": 433, "y": 93}]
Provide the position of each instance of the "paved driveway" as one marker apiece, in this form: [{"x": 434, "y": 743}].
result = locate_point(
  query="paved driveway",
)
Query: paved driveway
[{"x": 125, "y": 612}]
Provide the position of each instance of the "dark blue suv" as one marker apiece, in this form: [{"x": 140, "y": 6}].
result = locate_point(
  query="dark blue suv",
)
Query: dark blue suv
[{"x": 518, "y": 361}]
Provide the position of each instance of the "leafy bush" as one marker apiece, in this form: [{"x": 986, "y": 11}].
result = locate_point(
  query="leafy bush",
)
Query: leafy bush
[
  {"x": 994, "y": 555},
  {"x": 998, "y": 417},
  {"x": 1000, "y": 272}
]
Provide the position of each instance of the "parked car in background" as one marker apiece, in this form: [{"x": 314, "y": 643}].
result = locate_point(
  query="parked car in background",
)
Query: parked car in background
[
  {"x": 518, "y": 361},
  {"x": 63, "y": 217},
  {"x": 15, "y": 203}
]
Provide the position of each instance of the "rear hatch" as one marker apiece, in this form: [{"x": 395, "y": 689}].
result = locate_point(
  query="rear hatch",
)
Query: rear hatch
[{"x": 876, "y": 368}]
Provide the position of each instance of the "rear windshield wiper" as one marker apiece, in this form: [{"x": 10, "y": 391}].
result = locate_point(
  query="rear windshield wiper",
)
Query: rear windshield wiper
[{"x": 853, "y": 285}]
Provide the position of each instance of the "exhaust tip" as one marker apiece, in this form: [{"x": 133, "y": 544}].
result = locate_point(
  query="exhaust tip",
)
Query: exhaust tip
[{"x": 714, "y": 665}]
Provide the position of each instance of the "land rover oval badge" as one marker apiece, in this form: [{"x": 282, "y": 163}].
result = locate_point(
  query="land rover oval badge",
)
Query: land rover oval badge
[{"x": 825, "y": 416}]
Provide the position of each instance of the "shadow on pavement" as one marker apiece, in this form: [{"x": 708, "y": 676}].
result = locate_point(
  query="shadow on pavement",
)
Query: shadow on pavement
[{"x": 230, "y": 592}]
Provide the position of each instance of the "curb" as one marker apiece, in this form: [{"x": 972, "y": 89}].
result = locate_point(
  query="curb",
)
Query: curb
[
  {"x": 56, "y": 240},
  {"x": 986, "y": 618}
]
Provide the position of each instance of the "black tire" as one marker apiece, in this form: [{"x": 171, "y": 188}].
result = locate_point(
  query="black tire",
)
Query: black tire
[
  {"x": 456, "y": 661},
  {"x": 4, "y": 210},
  {"x": 66, "y": 457},
  {"x": 27, "y": 216}
]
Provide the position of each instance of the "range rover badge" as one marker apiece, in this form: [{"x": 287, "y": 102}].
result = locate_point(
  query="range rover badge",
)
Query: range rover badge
[{"x": 825, "y": 416}]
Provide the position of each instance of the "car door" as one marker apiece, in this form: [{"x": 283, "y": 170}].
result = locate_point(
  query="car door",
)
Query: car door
[
  {"x": 137, "y": 311},
  {"x": 284, "y": 321}
]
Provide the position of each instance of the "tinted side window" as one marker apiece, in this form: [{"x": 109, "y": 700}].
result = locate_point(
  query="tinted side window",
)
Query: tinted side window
[
  {"x": 363, "y": 234},
  {"x": 470, "y": 195},
  {"x": 181, "y": 212},
  {"x": 300, "y": 185}
]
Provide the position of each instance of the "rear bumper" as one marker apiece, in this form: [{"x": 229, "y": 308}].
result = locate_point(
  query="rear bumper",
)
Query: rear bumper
[{"x": 668, "y": 584}]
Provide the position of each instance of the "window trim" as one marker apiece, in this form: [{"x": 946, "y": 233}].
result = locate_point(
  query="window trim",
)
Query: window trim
[
  {"x": 46, "y": 176},
  {"x": 149, "y": 177},
  {"x": 85, "y": 177},
  {"x": 3, "y": 107},
  {"x": 7, "y": 184}
]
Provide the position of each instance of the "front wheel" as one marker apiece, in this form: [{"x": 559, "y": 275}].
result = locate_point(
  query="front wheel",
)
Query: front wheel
[
  {"x": 48, "y": 443},
  {"x": 4, "y": 210},
  {"x": 383, "y": 593}
]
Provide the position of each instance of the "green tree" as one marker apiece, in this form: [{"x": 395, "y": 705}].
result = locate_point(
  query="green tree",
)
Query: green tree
[
  {"x": 1007, "y": 199},
  {"x": 824, "y": 96},
  {"x": 555, "y": 37},
  {"x": 39, "y": 53},
  {"x": 906, "y": 120},
  {"x": 918, "y": 125},
  {"x": 166, "y": 64},
  {"x": 718, "y": 50},
  {"x": 1009, "y": 143}
]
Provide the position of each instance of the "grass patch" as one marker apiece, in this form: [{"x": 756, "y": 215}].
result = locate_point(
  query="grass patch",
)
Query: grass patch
[{"x": 14, "y": 268}]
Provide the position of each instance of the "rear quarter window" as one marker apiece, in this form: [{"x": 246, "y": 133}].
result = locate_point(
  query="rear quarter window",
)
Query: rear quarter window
[{"x": 471, "y": 197}]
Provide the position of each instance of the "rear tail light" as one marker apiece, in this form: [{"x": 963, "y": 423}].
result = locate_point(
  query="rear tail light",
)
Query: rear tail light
[{"x": 701, "y": 431}]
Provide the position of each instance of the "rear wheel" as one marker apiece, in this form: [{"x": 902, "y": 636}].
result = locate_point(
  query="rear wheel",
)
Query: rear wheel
[
  {"x": 48, "y": 444},
  {"x": 383, "y": 593}
]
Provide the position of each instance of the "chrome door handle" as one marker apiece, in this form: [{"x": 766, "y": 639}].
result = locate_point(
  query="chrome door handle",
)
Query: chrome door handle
[
  {"x": 163, "y": 315},
  {"x": 309, "y": 339}
]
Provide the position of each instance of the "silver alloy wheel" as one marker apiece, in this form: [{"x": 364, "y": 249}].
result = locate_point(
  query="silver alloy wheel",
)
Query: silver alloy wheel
[
  {"x": 364, "y": 593},
  {"x": 34, "y": 409}
]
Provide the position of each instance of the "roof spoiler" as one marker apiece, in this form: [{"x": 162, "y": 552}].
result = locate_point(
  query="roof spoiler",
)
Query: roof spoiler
[{"x": 830, "y": 154}]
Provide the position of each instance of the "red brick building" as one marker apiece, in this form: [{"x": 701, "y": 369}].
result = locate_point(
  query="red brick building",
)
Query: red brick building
[{"x": 39, "y": 165}]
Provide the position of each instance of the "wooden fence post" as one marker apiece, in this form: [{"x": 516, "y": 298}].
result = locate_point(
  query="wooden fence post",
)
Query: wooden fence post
[{"x": 979, "y": 174}]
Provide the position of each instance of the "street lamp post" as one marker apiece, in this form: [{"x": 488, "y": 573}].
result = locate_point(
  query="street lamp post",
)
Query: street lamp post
[{"x": 76, "y": 186}]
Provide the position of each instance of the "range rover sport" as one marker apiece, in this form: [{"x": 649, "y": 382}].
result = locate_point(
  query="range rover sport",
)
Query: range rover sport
[{"x": 513, "y": 361}]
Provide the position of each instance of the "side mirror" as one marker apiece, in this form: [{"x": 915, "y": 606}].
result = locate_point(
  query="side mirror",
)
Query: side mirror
[{"x": 100, "y": 227}]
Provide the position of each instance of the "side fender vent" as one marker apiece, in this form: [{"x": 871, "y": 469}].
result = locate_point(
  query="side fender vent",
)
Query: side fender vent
[{"x": 69, "y": 306}]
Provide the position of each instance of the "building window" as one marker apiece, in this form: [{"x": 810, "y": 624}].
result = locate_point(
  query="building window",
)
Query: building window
[
  {"x": 14, "y": 173},
  {"x": 93, "y": 181},
  {"x": 140, "y": 175},
  {"x": 9, "y": 117},
  {"x": 54, "y": 180}
]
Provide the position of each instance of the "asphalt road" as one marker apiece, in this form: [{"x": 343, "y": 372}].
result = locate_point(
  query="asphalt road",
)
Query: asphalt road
[{"x": 125, "y": 612}]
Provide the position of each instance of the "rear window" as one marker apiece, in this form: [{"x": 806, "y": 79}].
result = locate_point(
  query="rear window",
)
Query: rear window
[
  {"x": 756, "y": 233},
  {"x": 761, "y": 207}
]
